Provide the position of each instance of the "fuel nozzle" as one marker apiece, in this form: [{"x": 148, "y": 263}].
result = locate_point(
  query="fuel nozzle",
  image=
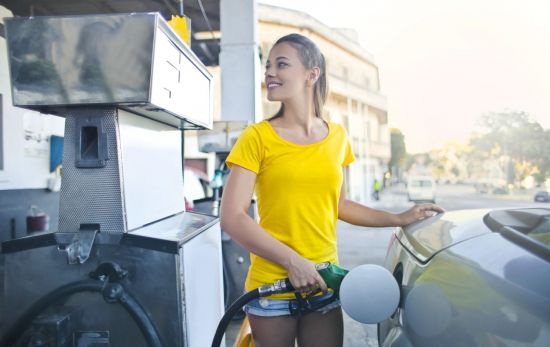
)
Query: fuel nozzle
[{"x": 333, "y": 276}]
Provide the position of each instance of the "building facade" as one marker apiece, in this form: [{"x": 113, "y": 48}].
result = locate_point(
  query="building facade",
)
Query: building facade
[
  {"x": 354, "y": 97},
  {"x": 354, "y": 91}
]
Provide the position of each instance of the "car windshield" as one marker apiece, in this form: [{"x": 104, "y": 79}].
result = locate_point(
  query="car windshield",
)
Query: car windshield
[{"x": 421, "y": 183}]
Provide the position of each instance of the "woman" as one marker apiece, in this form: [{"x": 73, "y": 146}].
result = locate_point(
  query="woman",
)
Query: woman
[{"x": 295, "y": 162}]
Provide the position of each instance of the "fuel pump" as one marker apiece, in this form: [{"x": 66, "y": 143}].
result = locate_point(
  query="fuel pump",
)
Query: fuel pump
[{"x": 127, "y": 265}]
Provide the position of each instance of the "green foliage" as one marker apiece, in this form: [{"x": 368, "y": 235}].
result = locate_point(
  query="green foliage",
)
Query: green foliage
[
  {"x": 517, "y": 136},
  {"x": 398, "y": 149}
]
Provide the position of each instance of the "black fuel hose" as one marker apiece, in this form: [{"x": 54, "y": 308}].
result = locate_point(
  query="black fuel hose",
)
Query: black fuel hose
[
  {"x": 112, "y": 292},
  {"x": 331, "y": 274},
  {"x": 231, "y": 311},
  {"x": 280, "y": 286}
]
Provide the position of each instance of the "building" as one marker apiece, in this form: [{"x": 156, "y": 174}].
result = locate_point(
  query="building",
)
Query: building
[{"x": 354, "y": 92}]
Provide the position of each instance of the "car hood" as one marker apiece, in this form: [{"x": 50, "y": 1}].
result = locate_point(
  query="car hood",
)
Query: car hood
[{"x": 425, "y": 238}]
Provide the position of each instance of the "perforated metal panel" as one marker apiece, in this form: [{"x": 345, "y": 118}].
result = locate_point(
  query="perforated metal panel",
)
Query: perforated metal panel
[{"x": 92, "y": 195}]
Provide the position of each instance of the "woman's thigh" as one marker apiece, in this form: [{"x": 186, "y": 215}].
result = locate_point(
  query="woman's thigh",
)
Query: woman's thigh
[
  {"x": 321, "y": 330},
  {"x": 278, "y": 331}
]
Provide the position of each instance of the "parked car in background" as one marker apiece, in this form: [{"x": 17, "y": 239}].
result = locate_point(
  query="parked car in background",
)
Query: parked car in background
[
  {"x": 472, "y": 278},
  {"x": 421, "y": 188},
  {"x": 542, "y": 196},
  {"x": 500, "y": 190},
  {"x": 482, "y": 188}
]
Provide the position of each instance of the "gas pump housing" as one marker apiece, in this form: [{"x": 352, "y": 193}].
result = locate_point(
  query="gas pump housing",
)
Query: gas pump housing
[{"x": 127, "y": 87}]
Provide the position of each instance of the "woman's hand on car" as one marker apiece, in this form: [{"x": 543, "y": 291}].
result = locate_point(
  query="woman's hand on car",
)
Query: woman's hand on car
[
  {"x": 419, "y": 212},
  {"x": 304, "y": 276}
]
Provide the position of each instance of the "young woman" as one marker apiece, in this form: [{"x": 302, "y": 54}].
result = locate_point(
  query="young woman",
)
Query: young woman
[{"x": 295, "y": 161}]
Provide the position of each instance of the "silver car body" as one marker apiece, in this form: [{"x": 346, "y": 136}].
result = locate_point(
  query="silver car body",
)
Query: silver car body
[{"x": 472, "y": 278}]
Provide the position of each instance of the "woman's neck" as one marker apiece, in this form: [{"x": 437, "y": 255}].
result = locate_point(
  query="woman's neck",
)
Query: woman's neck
[{"x": 299, "y": 115}]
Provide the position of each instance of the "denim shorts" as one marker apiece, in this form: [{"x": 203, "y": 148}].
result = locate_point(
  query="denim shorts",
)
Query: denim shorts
[{"x": 280, "y": 307}]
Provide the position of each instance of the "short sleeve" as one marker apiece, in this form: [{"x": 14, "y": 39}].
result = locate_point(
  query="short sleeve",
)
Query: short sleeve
[
  {"x": 349, "y": 157},
  {"x": 247, "y": 151}
]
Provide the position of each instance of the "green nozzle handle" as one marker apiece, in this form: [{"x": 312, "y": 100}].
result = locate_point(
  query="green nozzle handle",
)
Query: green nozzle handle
[{"x": 333, "y": 275}]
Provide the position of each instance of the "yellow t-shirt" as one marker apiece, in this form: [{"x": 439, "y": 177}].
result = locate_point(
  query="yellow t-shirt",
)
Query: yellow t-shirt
[{"x": 298, "y": 189}]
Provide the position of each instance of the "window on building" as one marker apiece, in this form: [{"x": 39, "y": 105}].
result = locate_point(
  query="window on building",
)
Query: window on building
[
  {"x": 367, "y": 82},
  {"x": 374, "y": 130},
  {"x": 369, "y": 136},
  {"x": 356, "y": 147},
  {"x": 384, "y": 133},
  {"x": 264, "y": 52},
  {"x": 345, "y": 121}
]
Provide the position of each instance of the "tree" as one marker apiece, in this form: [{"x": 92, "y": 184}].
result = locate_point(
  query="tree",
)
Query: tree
[
  {"x": 543, "y": 162},
  {"x": 519, "y": 139},
  {"x": 398, "y": 151}
]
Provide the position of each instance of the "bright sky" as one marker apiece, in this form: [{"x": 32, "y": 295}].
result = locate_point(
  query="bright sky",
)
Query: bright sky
[{"x": 444, "y": 63}]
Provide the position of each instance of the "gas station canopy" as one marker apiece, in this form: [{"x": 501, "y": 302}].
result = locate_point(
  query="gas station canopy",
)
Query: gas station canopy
[{"x": 206, "y": 48}]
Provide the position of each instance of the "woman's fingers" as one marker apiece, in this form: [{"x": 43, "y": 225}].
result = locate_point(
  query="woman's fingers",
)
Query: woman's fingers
[
  {"x": 314, "y": 285},
  {"x": 427, "y": 210},
  {"x": 304, "y": 277},
  {"x": 419, "y": 212},
  {"x": 431, "y": 207},
  {"x": 321, "y": 284}
]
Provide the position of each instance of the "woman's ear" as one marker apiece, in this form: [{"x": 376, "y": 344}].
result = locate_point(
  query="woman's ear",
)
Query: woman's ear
[{"x": 313, "y": 76}]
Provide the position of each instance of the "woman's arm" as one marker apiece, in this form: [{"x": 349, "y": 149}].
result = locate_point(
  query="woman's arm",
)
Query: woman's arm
[
  {"x": 242, "y": 228},
  {"x": 354, "y": 213}
]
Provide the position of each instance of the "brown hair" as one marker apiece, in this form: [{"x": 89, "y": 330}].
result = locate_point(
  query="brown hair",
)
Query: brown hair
[{"x": 311, "y": 57}]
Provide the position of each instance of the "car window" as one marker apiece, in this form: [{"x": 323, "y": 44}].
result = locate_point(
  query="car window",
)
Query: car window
[
  {"x": 421, "y": 183},
  {"x": 528, "y": 228}
]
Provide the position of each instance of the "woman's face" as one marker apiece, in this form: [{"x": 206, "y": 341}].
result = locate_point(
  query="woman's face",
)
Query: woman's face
[{"x": 285, "y": 75}]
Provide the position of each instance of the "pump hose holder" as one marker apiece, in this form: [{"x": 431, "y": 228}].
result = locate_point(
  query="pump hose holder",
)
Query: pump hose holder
[{"x": 105, "y": 281}]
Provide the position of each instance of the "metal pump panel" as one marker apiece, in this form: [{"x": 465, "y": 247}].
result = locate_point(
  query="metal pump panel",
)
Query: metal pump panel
[
  {"x": 127, "y": 265},
  {"x": 135, "y": 61}
]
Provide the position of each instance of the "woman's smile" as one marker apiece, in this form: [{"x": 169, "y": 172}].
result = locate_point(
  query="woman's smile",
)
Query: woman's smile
[{"x": 272, "y": 84}]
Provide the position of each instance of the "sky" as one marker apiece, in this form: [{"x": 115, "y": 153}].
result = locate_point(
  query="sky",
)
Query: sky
[{"x": 445, "y": 63}]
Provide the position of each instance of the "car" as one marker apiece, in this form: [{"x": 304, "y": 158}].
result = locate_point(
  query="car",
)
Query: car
[
  {"x": 471, "y": 278},
  {"x": 542, "y": 196},
  {"x": 421, "y": 188},
  {"x": 501, "y": 190},
  {"x": 482, "y": 188}
]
